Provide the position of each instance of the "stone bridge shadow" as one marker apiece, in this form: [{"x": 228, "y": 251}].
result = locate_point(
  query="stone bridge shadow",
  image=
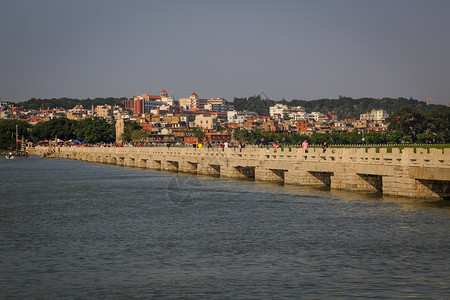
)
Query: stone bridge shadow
[{"x": 439, "y": 187}]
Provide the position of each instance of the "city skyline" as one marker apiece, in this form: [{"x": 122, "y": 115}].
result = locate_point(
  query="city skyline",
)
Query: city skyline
[{"x": 290, "y": 49}]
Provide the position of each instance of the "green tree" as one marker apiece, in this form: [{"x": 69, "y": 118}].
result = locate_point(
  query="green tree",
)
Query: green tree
[
  {"x": 62, "y": 128},
  {"x": 344, "y": 107},
  {"x": 198, "y": 133},
  {"x": 393, "y": 137},
  {"x": 407, "y": 138},
  {"x": 68, "y": 103},
  {"x": 95, "y": 130},
  {"x": 138, "y": 135},
  {"x": 133, "y": 131},
  {"x": 254, "y": 103},
  {"x": 426, "y": 137},
  {"x": 408, "y": 121},
  {"x": 376, "y": 138},
  {"x": 439, "y": 119},
  {"x": 443, "y": 137},
  {"x": 8, "y": 132}
]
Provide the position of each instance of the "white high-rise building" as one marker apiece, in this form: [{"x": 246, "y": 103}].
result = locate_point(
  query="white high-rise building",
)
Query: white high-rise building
[{"x": 283, "y": 110}]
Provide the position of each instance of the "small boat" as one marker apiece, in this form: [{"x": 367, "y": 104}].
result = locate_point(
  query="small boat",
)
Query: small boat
[
  {"x": 21, "y": 155},
  {"x": 16, "y": 155}
]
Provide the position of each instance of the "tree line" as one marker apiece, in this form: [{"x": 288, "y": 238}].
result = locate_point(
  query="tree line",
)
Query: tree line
[
  {"x": 68, "y": 103},
  {"x": 344, "y": 107},
  {"x": 91, "y": 130}
]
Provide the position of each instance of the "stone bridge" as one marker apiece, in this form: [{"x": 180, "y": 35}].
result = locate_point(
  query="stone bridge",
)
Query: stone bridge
[{"x": 409, "y": 173}]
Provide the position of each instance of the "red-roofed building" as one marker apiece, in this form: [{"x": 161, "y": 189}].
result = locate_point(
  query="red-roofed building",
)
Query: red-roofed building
[{"x": 145, "y": 103}]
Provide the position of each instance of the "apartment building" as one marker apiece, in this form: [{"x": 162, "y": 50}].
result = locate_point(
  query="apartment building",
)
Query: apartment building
[
  {"x": 146, "y": 103},
  {"x": 104, "y": 111},
  {"x": 205, "y": 121},
  {"x": 214, "y": 104},
  {"x": 374, "y": 115},
  {"x": 283, "y": 111},
  {"x": 235, "y": 117}
]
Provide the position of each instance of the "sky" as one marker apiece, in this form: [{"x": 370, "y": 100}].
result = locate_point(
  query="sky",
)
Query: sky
[{"x": 287, "y": 49}]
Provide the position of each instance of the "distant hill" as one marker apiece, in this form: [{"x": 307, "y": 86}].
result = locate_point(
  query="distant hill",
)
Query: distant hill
[
  {"x": 69, "y": 103},
  {"x": 344, "y": 107}
]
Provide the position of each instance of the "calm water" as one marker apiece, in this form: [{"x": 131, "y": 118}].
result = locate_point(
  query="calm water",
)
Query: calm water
[{"x": 71, "y": 229}]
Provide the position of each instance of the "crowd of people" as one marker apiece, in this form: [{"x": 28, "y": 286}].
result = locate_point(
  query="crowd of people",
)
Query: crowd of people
[{"x": 208, "y": 145}]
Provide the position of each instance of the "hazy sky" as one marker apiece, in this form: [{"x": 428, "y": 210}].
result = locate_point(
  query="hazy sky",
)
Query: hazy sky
[{"x": 288, "y": 49}]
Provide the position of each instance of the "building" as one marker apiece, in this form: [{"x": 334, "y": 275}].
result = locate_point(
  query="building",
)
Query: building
[
  {"x": 195, "y": 102},
  {"x": 129, "y": 104},
  {"x": 146, "y": 103},
  {"x": 166, "y": 99},
  {"x": 192, "y": 102},
  {"x": 219, "y": 107},
  {"x": 235, "y": 117},
  {"x": 301, "y": 126},
  {"x": 360, "y": 124},
  {"x": 216, "y": 101},
  {"x": 284, "y": 111},
  {"x": 270, "y": 125},
  {"x": 206, "y": 122},
  {"x": 278, "y": 109},
  {"x": 5, "y": 111},
  {"x": 297, "y": 116},
  {"x": 217, "y": 136},
  {"x": 104, "y": 111},
  {"x": 315, "y": 116},
  {"x": 374, "y": 115}
]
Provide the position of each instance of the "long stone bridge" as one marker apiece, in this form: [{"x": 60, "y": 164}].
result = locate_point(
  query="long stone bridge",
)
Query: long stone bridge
[{"x": 409, "y": 173}]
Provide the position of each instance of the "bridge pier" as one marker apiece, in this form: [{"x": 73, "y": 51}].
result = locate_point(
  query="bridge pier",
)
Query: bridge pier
[
  {"x": 153, "y": 164},
  {"x": 188, "y": 167},
  {"x": 129, "y": 162},
  {"x": 301, "y": 177},
  {"x": 110, "y": 160},
  {"x": 345, "y": 178},
  {"x": 204, "y": 168},
  {"x": 401, "y": 184},
  {"x": 272, "y": 175},
  {"x": 140, "y": 162},
  {"x": 237, "y": 172},
  {"x": 169, "y": 165},
  {"x": 439, "y": 189},
  {"x": 120, "y": 161}
]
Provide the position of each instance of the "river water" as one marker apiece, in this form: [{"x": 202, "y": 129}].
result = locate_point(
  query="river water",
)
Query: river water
[{"x": 78, "y": 230}]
